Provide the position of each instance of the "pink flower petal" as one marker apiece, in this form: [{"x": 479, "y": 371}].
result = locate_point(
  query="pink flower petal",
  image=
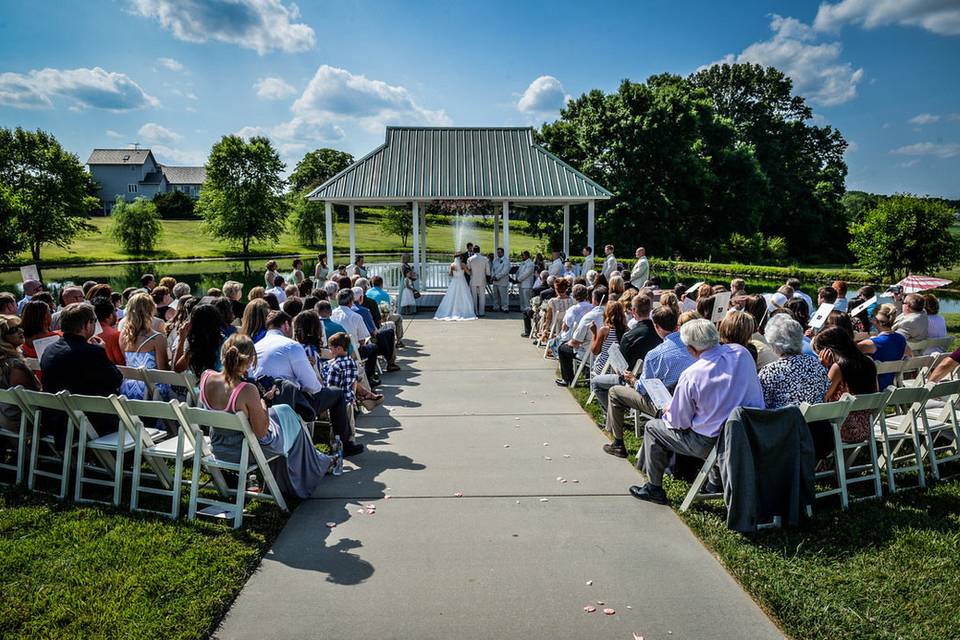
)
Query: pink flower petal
[
  {"x": 458, "y": 494},
  {"x": 609, "y": 612},
  {"x": 331, "y": 524},
  {"x": 600, "y": 603},
  {"x": 387, "y": 497},
  {"x": 589, "y": 608},
  {"x": 637, "y": 636},
  {"x": 371, "y": 511}
]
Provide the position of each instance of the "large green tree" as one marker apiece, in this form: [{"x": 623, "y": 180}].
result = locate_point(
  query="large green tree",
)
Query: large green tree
[
  {"x": 242, "y": 198},
  {"x": 10, "y": 241},
  {"x": 54, "y": 194},
  {"x": 317, "y": 167},
  {"x": 905, "y": 234}
]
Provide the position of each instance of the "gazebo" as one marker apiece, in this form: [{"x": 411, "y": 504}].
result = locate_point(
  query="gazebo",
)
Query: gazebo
[{"x": 416, "y": 165}]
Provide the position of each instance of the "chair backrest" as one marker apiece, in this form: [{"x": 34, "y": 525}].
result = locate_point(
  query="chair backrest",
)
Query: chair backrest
[
  {"x": 873, "y": 402},
  {"x": 185, "y": 380},
  {"x": 133, "y": 412},
  {"x": 139, "y": 374},
  {"x": 80, "y": 406},
  {"x": 914, "y": 365},
  {"x": 939, "y": 345},
  {"x": 218, "y": 419},
  {"x": 908, "y": 396},
  {"x": 892, "y": 366},
  {"x": 9, "y": 396},
  {"x": 40, "y": 399},
  {"x": 832, "y": 411}
]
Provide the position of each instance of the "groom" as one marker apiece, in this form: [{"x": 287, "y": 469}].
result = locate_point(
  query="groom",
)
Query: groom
[{"x": 479, "y": 270}]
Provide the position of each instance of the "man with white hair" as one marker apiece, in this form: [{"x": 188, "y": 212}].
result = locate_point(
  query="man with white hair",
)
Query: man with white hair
[
  {"x": 723, "y": 378},
  {"x": 556, "y": 266},
  {"x": 30, "y": 288},
  {"x": 609, "y": 263},
  {"x": 641, "y": 269}
]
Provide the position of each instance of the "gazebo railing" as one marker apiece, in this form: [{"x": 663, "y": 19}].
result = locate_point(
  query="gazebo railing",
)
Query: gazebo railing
[{"x": 435, "y": 276}]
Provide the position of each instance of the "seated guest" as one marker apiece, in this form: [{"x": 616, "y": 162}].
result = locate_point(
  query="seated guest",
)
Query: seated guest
[
  {"x": 888, "y": 345},
  {"x": 8, "y": 304},
  {"x": 556, "y": 308},
  {"x": 297, "y": 466},
  {"x": 756, "y": 306},
  {"x": 946, "y": 367},
  {"x": 794, "y": 283},
  {"x": 281, "y": 358},
  {"x": 385, "y": 339},
  {"x": 912, "y": 323},
  {"x": 840, "y": 319},
  {"x": 177, "y": 326},
  {"x": 723, "y": 378},
  {"x": 827, "y": 295},
  {"x": 36, "y": 319},
  {"x": 738, "y": 287},
  {"x": 291, "y": 291},
  {"x": 223, "y": 306},
  {"x": 324, "y": 309},
  {"x": 573, "y": 314},
  {"x": 142, "y": 345},
  {"x": 271, "y": 301},
  {"x": 75, "y": 365},
  {"x": 670, "y": 299},
  {"x": 841, "y": 288},
  {"x": 614, "y": 326},
  {"x": 201, "y": 341},
  {"x": 233, "y": 290},
  {"x": 277, "y": 290},
  {"x": 292, "y": 306},
  {"x": 357, "y": 329},
  {"x": 68, "y": 295},
  {"x": 308, "y": 331},
  {"x": 30, "y": 289},
  {"x": 255, "y": 294},
  {"x": 936, "y": 324},
  {"x": 341, "y": 371},
  {"x": 586, "y": 327},
  {"x": 849, "y": 371},
  {"x": 162, "y": 300},
  {"x": 377, "y": 294},
  {"x": 13, "y": 370},
  {"x": 665, "y": 362},
  {"x": 801, "y": 313},
  {"x": 796, "y": 377},
  {"x": 254, "y": 322},
  {"x": 638, "y": 341},
  {"x": 107, "y": 317}
]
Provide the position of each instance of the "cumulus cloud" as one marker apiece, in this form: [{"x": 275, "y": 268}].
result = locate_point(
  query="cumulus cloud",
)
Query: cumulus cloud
[
  {"x": 171, "y": 64},
  {"x": 261, "y": 25},
  {"x": 937, "y": 16},
  {"x": 939, "y": 150},
  {"x": 188, "y": 157},
  {"x": 83, "y": 88},
  {"x": 153, "y": 132},
  {"x": 544, "y": 95},
  {"x": 816, "y": 69},
  {"x": 924, "y": 118},
  {"x": 113, "y": 134},
  {"x": 273, "y": 89}
]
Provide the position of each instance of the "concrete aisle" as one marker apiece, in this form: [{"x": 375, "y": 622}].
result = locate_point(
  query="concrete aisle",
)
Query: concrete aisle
[{"x": 476, "y": 412}]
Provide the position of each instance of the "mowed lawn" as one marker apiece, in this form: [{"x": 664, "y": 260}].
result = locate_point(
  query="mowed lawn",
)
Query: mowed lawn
[{"x": 185, "y": 239}]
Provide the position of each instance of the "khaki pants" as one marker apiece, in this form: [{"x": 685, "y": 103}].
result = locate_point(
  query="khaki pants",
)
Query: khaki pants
[
  {"x": 621, "y": 399},
  {"x": 479, "y": 299},
  {"x": 502, "y": 296}
]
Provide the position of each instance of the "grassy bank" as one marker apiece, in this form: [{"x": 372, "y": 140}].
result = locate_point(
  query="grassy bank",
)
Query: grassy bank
[
  {"x": 886, "y": 569},
  {"x": 70, "y": 571},
  {"x": 184, "y": 239}
]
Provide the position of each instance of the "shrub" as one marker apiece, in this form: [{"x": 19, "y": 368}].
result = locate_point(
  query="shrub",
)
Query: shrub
[
  {"x": 136, "y": 225},
  {"x": 174, "y": 205}
]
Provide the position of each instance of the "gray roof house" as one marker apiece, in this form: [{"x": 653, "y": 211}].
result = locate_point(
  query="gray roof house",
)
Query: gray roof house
[{"x": 134, "y": 173}]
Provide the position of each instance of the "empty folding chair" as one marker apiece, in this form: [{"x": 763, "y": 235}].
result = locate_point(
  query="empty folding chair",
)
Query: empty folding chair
[
  {"x": 36, "y": 402},
  {"x": 237, "y": 422},
  {"x": 939, "y": 428},
  {"x": 907, "y": 377},
  {"x": 9, "y": 397},
  {"x": 892, "y": 432},
  {"x": 834, "y": 413}
]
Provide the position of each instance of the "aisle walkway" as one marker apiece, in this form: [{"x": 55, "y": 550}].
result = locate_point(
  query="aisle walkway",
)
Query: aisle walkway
[{"x": 476, "y": 412}]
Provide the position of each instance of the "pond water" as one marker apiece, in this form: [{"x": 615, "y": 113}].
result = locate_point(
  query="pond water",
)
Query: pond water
[{"x": 202, "y": 275}]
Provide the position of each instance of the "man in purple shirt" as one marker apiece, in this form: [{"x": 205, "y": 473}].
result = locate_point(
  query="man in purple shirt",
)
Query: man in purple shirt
[{"x": 723, "y": 378}]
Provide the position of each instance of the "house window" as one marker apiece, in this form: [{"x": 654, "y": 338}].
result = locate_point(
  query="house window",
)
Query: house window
[{"x": 131, "y": 188}]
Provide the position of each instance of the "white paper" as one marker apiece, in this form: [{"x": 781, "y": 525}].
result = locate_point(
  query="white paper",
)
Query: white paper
[
  {"x": 860, "y": 308},
  {"x": 658, "y": 393},
  {"x": 40, "y": 345},
  {"x": 720, "y": 303},
  {"x": 694, "y": 288},
  {"x": 29, "y": 272},
  {"x": 98, "y": 330},
  {"x": 617, "y": 362},
  {"x": 688, "y": 305},
  {"x": 820, "y": 316}
]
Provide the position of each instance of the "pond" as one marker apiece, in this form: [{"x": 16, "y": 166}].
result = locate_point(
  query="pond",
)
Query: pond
[{"x": 204, "y": 274}]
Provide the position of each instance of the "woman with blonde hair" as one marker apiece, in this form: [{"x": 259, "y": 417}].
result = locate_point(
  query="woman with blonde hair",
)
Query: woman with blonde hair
[
  {"x": 887, "y": 345},
  {"x": 297, "y": 466},
  {"x": 142, "y": 345},
  {"x": 254, "y": 322},
  {"x": 256, "y": 293},
  {"x": 616, "y": 286}
]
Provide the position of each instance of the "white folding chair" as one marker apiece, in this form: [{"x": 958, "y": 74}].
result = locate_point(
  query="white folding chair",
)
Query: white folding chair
[
  {"x": 892, "y": 432},
  {"x": 938, "y": 345},
  {"x": 36, "y": 402},
  {"x": 912, "y": 367},
  {"x": 586, "y": 362},
  {"x": 110, "y": 448},
  {"x": 941, "y": 424},
  {"x": 185, "y": 380},
  {"x": 875, "y": 404},
  {"x": 139, "y": 374},
  {"x": 893, "y": 366},
  {"x": 694, "y": 494},
  {"x": 10, "y": 397},
  {"x": 236, "y": 422},
  {"x": 834, "y": 413}
]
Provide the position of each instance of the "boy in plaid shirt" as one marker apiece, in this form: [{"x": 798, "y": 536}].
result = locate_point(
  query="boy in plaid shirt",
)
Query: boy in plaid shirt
[{"x": 341, "y": 371}]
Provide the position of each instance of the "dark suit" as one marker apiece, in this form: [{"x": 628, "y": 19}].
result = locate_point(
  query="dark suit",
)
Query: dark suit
[
  {"x": 636, "y": 342},
  {"x": 75, "y": 365}
]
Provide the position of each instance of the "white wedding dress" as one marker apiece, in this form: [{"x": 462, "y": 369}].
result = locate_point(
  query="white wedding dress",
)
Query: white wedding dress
[{"x": 457, "y": 303}]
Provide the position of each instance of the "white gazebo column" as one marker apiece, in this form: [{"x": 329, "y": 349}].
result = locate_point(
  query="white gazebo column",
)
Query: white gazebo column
[
  {"x": 328, "y": 232},
  {"x": 590, "y": 216},
  {"x": 566, "y": 230},
  {"x": 423, "y": 237},
  {"x": 353, "y": 238},
  {"x": 496, "y": 232},
  {"x": 506, "y": 229},
  {"x": 416, "y": 240}
]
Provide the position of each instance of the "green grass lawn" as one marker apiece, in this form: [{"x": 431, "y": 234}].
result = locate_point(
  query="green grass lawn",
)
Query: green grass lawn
[
  {"x": 886, "y": 569},
  {"x": 184, "y": 239}
]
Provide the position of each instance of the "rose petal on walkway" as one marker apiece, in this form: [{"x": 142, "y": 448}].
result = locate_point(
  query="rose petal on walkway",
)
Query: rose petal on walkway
[
  {"x": 589, "y": 583},
  {"x": 458, "y": 494},
  {"x": 589, "y": 608},
  {"x": 331, "y": 524},
  {"x": 609, "y": 612}
]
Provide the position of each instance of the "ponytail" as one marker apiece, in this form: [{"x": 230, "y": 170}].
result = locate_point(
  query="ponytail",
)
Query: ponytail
[{"x": 237, "y": 356}]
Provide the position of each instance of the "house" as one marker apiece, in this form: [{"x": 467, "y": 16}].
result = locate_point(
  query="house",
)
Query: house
[{"x": 134, "y": 173}]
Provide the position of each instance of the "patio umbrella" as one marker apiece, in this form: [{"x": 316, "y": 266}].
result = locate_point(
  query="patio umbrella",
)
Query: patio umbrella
[{"x": 913, "y": 284}]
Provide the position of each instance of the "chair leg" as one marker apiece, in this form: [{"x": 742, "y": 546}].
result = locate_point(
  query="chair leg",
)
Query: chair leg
[
  {"x": 178, "y": 476},
  {"x": 700, "y": 480},
  {"x": 135, "y": 479},
  {"x": 34, "y": 446},
  {"x": 21, "y": 446},
  {"x": 195, "y": 483},
  {"x": 932, "y": 454},
  {"x": 118, "y": 468},
  {"x": 919, "y": 459},
  {"x": 241, "y": 486},
  {"x": 841, "y": 469},
  {"x": 877, "y": 487}
]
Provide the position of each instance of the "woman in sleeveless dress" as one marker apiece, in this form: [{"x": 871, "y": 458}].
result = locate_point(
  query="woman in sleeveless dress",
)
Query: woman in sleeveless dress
[
  {"x": 300, "y": 467},
  {"x": 457, "y": 303},
  {"x": 142, "y": 346}
]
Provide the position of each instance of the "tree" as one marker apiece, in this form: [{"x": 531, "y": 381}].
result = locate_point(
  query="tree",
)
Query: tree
[
  {"x": 905, "y": 234},
  {"x": 54, "y": 193},
  {"x": 317, "y": 167},
  {"x": 174, "y": 205},
  {"x": 10, "y": 241},
  {"x": 398, "y": 222},
  {"x": 306, "y": 219},
  {"x": 136, "y": 225},
  {"x": 242, "y": 198}
]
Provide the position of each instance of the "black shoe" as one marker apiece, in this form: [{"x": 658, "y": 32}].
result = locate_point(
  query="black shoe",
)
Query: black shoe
[
  {"x": 711, "y": 487},
  {"x": 617, "y": 450},
  {"x": 649, "y": 493},
  {"x": 525, "y": 335},
  {"x": 561, "y": 382},
  {"x": 352, "y": 449}
]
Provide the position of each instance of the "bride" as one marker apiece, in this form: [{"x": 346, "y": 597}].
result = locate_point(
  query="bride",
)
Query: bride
[{"x": 457, "y": 303}]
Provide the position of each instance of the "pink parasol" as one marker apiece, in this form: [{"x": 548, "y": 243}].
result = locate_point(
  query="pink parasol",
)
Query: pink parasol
[{"x": 913, "y": 284}]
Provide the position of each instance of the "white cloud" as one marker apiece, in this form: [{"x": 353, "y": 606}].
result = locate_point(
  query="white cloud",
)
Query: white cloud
[
  {"x": 815, "y": 69},
  {"x": 188, "y": 157},
  {"x": 261, "y": 25},
  {"x": 153, "y": 132},
  {"x": 171, "y": 64},
  {"x": 544, "y": 95},
  {"x": 113, "y": 134},
  {"x": 852, "y": 147},
  {"x": 954, "y": 116},
  {"x": 938, "y": 150},
  {"x": 938, "y": 16},
  {"x": 94, "y": 88},
  {"x": 924, "y": 118},
  {"x": 909, "y": 163},
  {"x": 185, "y": 94},
  {"x": 274, "y": 89}
]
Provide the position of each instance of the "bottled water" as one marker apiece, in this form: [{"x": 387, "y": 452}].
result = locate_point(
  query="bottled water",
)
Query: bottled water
[{"x": 337, "y": 456}]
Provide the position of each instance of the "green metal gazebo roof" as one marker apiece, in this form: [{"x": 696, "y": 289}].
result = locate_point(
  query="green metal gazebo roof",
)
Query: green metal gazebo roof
[{"x": 454, "y": 163}]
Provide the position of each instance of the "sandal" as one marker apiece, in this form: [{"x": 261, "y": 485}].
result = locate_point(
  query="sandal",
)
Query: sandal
[{"x": 372, "y": 403}]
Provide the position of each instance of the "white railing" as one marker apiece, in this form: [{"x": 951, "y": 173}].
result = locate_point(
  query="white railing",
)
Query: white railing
[{"x": 435, "y": 276}]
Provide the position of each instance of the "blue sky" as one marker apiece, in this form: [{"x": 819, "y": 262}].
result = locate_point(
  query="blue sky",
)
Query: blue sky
[{"x": 175, "y": 75}]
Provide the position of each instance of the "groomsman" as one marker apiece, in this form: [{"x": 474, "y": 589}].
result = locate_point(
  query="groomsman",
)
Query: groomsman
[
  {"x": 556, "y": 267},
  {"x": 500, "y": 270},
  {"x": 609, "y": 263},
  {"x": 641, "y": 269},
  {"x": 525, "y": 278},
  {"x": 587, "y": 260}
]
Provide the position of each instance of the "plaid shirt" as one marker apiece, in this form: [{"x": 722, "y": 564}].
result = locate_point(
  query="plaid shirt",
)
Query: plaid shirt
[{"x": 341, "y": 372}]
